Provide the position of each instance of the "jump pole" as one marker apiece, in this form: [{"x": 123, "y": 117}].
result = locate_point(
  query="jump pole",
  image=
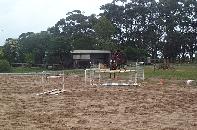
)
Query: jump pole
[
  {"x": 85, "y": 76},
  {"x": 99, "y": 74},
  {"x": 54, "y": 91},
  {"x": 136, "y": 71},
  {"x": 90, "y": 77},
  {"x": 63, "y": 82},
  {"x": 43, "y": 82}
]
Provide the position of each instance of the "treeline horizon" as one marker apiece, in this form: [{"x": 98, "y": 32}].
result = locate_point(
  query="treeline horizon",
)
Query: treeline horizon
[{"x": 140, "y": 28}]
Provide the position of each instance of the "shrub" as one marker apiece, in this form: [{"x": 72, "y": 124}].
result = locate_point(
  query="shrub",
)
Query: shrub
[{"x": 4, "y": 66}]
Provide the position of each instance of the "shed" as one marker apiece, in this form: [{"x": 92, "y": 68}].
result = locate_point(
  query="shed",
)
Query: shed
[{"x": 84, "y": 58}]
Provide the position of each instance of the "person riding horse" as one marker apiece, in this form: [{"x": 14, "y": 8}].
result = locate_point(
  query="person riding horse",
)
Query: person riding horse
[{"x": 118, "y": 59}]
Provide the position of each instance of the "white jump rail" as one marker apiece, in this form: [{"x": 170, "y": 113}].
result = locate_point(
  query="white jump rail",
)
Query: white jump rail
[
  {"x": 48, "y": 76},
  {"x": 23, "y": 74},
  {"x": 136, "y": 71}
]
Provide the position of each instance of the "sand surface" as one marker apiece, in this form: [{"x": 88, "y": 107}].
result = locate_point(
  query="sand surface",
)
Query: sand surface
[{"x": 151, "y": 106}]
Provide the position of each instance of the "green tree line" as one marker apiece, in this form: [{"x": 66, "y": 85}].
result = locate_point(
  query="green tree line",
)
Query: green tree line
[{"x": 141, "y": 28}]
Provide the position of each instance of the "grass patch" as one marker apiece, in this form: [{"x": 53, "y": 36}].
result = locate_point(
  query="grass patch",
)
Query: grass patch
[
  {"x": 27, "y": 69},
  {"x": 79, "y": 72},
  {"x": 180, "y": 72},
  {"x": 39, "y": 69}
]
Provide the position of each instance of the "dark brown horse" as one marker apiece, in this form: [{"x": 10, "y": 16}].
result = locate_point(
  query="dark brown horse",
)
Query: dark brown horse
[{"x": 118, "y": 60}]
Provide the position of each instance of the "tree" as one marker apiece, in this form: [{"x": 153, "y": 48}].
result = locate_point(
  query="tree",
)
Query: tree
[
  {"x": 29, "y": 58},
  {"x": 115, "y": 14},
  {"x": 1, "y": 53},
  {"x": 4, "y": 66},
  {"x": 167, "y": 26},
  {"x": 135, "y": 24},
  {"x": 35, "y": 44},
  {"x": 104, "y": 31},
  {"x": 58, "y": 50},
  {"x": 11, "y": 50},
  {"x": 77, "y": 29},
  {"x": 139, "y": 27}
]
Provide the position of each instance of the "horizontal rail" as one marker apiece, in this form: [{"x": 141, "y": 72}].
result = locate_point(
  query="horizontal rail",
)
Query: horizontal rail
[
  {"x": 110, "y": 71},
  {"x": 33, "y": 73},
  {"x": 23, "y": 74}
]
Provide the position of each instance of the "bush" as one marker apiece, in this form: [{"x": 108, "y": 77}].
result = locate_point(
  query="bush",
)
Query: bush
[{"x": 4, "y": 66}]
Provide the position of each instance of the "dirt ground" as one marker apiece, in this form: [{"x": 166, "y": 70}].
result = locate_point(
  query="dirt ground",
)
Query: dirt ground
[{"x": 151, "y": 106}]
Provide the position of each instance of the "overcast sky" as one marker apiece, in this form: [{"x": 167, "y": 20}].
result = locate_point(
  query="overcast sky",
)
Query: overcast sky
[{"x": 20, "y": 16}]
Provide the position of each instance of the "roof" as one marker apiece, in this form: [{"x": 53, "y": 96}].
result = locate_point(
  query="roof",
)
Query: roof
[{"x": 89, "y": 51}]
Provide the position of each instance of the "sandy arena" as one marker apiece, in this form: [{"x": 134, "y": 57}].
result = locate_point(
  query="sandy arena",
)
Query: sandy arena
[{"x": 151, "y": 106}]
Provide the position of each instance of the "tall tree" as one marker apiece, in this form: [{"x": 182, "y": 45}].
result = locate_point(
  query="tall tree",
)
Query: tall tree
[
  {"x": 36, "y": 44},
  {"x": 104, "y": 31},
  {"x": 77, "y": 29},
  {"x": 11, "y": 50}
]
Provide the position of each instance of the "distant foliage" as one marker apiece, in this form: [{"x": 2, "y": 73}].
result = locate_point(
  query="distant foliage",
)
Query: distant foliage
[
  {"x": 154, "y": 28},
  {"x": 135, "y": 54},
  {"x": 29, "y": 58},
  {"x": 4, "y": 66},
  {"x": 1, "y": 54}
]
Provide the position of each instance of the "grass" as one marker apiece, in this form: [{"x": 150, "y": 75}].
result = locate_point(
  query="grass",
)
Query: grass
[
  {"x": 74, "y": 71},
  {"x": 39, "y": 69},
  {"x": 26, "y": 69},
  {"x": 180, "y": 72}
]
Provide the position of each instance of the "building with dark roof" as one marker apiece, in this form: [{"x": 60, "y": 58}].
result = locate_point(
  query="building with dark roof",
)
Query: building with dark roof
[{"x": 84, "y": 58}]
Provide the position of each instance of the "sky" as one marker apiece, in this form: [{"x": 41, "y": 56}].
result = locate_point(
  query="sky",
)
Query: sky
[{"x": 21, "y": 16}]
